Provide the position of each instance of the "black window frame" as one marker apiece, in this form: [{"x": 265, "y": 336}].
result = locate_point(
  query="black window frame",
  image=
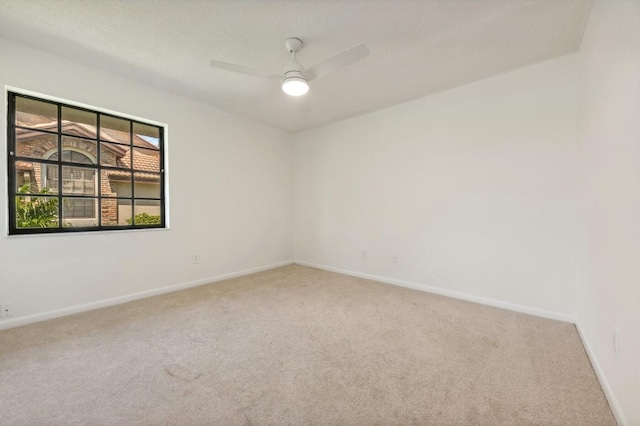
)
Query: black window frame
[{"x": 13, "y": 158}]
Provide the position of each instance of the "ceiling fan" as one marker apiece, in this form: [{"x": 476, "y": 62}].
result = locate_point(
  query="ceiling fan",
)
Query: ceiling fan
[{"x": 296, "y": 78}]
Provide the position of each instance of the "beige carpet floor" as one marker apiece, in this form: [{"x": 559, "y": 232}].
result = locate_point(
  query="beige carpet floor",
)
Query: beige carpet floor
[{"x": 298, "y": 346}]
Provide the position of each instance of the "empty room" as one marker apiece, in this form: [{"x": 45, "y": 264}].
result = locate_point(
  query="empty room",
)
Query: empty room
[{"x": 345, "y": 212}]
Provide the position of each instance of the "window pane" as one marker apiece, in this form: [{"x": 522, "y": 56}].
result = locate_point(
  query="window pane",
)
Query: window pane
[
  {"x": 147, "y": 212},
  {"x": 36, "y": 212},
  {"x": 25, "y": 178},
  {"x": 109, "y": 212},
  {"x": 146, "y": 159},
  {"x": 76, "y": 150},
  {"x": 125, "y": 212},
  {"x": 79, "y": 212},
  {"x": 115, "y": 155},
  {"x": 146, "y": 132},
  {"x": 36, "y": 178},
  {"x": 78, "y": 181},
  {"x": 33, "y": 144},
  {"x": 146, "y": 185},
  {"x": 114, "y": 129},
  {"x": 79, "y": 122},
  {"x": 115, "y": 183},
  {"x": 36, "y": 114}
]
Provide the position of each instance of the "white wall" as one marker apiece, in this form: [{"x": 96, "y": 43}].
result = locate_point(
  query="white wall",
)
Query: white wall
[
  {"x": 497, "y": 191},
  {"x": 475, "y": 190},
  {"x": 610, "y": 137},
  {"x": 230, "y": 183}
]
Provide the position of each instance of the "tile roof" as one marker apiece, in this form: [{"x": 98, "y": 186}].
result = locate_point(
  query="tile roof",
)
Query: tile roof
[{"x": 146, "y": 155}]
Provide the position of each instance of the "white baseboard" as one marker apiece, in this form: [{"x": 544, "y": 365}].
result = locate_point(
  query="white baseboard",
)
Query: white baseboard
[
  {"x": 29, "y": 319},
  {"x": 606, "y": 388},
  {"x": 456, "y": 295}
]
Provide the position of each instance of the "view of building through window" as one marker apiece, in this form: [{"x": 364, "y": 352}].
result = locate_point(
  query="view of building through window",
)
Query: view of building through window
[{"x": 75, "y": 169}]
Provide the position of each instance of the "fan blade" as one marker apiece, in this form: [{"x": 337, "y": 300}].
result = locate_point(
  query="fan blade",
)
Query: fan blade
[
  {"x": 243, "y": 70},
  {"x": 343, "y": 59}
]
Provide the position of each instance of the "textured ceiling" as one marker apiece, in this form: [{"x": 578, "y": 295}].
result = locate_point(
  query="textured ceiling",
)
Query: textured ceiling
[{"x": 418, "y": 47}]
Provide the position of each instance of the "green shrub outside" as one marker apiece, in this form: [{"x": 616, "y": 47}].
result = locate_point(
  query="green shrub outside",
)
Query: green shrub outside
[{"x": 145, "y": 219}]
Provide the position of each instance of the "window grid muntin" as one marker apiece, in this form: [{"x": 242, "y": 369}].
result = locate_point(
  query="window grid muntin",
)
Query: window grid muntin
[{"x": 98, "y": 140}]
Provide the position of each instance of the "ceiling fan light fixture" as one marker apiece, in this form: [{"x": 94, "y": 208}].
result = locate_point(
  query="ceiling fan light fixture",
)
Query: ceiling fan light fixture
[
  {"x": 295, "y": 78},
  {"x": 295, "y": 85}
]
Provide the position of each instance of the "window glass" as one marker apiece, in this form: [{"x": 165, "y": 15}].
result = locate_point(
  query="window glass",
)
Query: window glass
[
  {"x": 147, "y": 185},
  {"x": 74, "y": 169},
  {"x": 115, "y": 155},
  {"x": 39, "y": 212},
  {"x": 79, "y": 211},
  {"x": 30, "y": 178},
  {"x": 79, "y": 122},
  {"x": 36, "y": 114},
  {"x": 147, "y": 132},
  {"x": 113, "y": 129},
  {"x": 125, "y": 212},
  {"x": 115, "y": 183},
  {"x": 146, "y": 212},
  {"x": 34, "y": 144},
  {"x": 146, "y": 159},
  {"x": 78, "y": 181}
]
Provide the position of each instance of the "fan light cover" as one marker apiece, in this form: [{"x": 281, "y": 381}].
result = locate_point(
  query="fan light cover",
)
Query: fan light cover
[{"x": 295, "y": 85}]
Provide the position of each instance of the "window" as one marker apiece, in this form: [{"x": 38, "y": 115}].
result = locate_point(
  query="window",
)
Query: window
[{"x": 75, "y": 169}]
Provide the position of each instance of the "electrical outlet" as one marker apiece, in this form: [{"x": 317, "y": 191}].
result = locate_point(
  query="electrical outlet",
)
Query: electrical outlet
[
  {"x": 364, "y": 254},
  {"x": 196, "y": 259},
  {"x": 5, "y": 310},
  {"x": 394, "y": 258},
  {"x": 616, "y": 341}
]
